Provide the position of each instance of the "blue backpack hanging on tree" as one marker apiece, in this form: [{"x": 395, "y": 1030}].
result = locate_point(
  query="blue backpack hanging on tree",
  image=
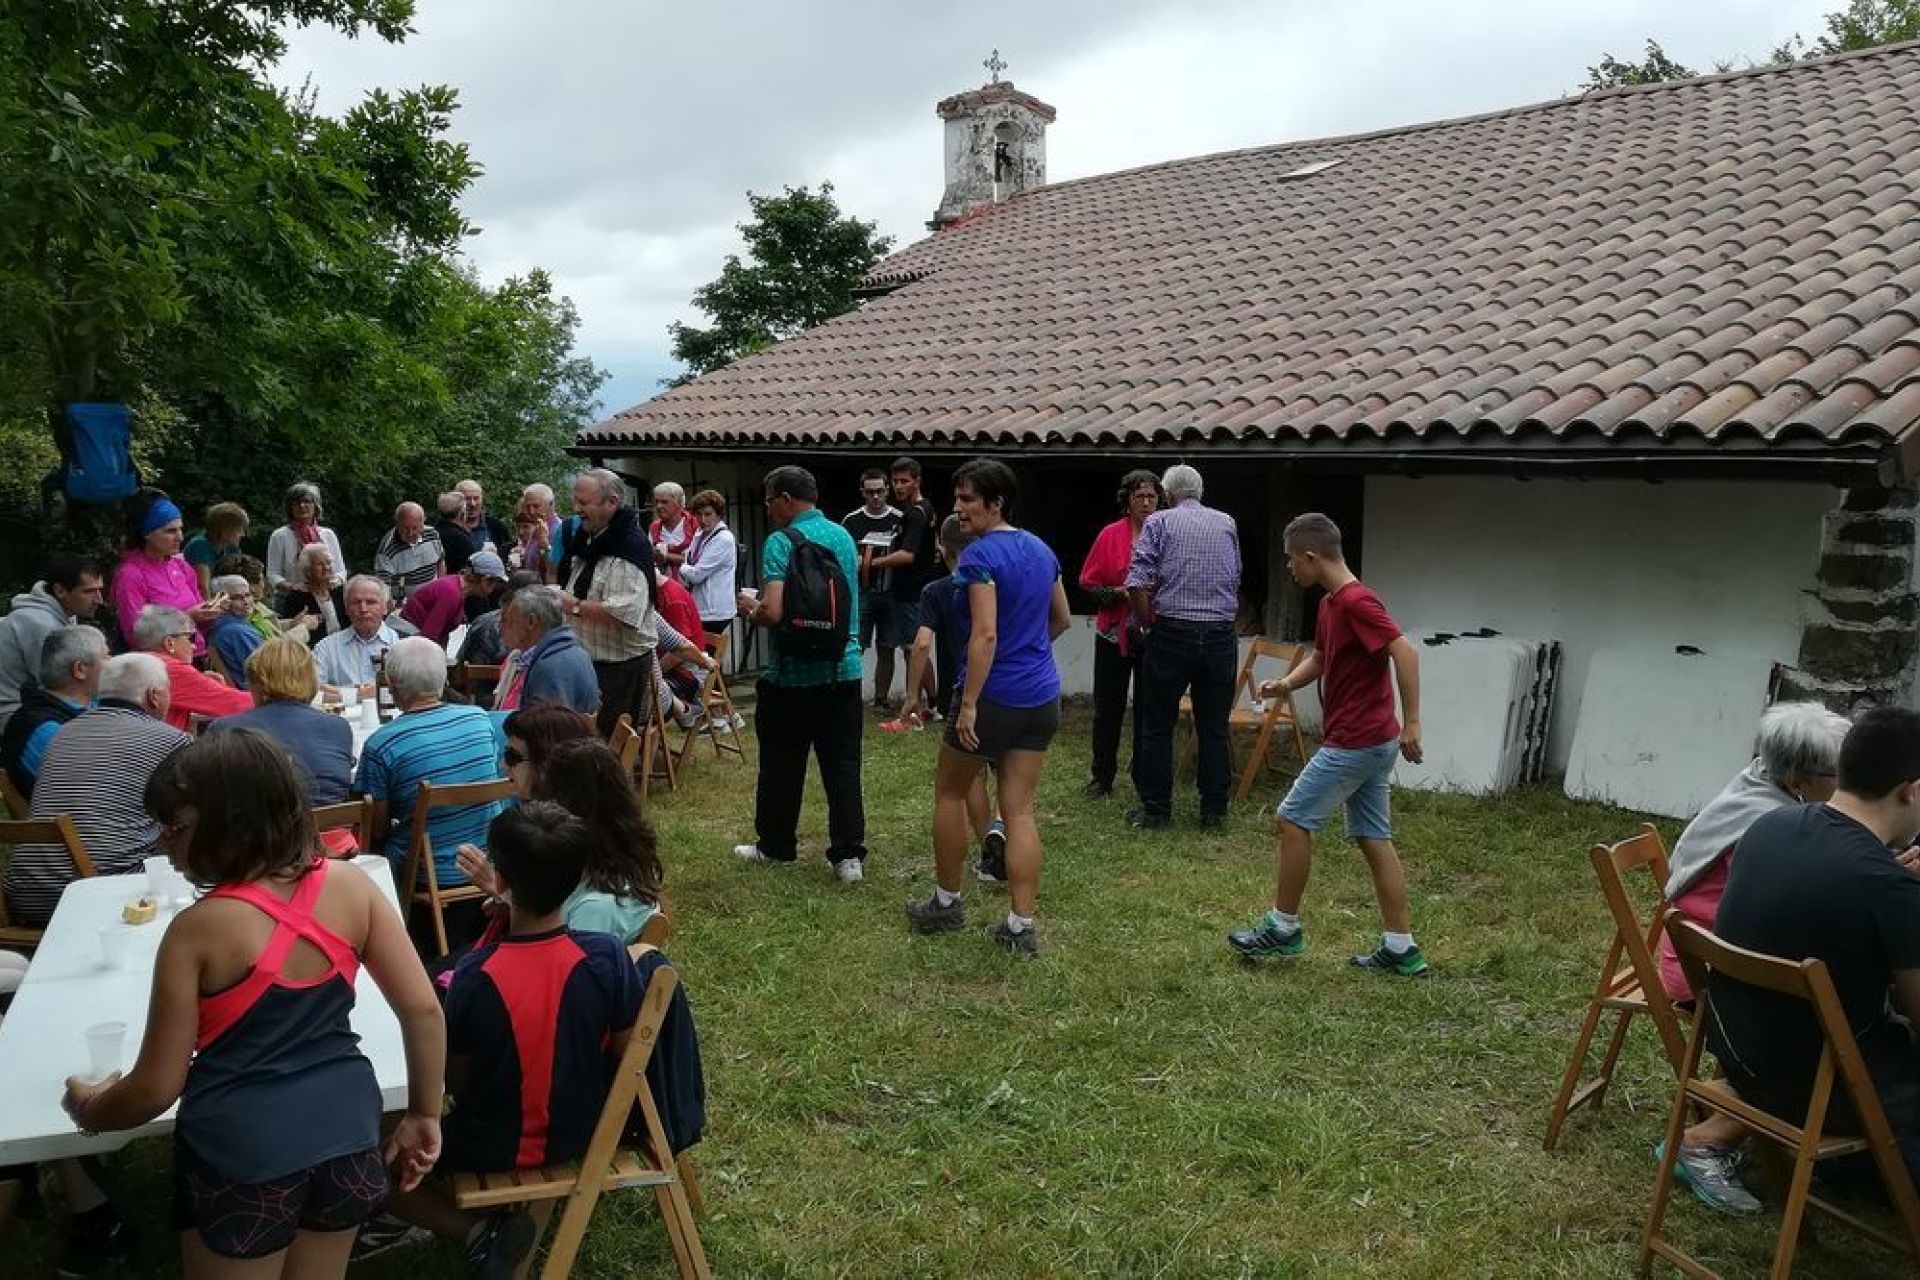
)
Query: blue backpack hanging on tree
[{"x": 96, "y": 458}]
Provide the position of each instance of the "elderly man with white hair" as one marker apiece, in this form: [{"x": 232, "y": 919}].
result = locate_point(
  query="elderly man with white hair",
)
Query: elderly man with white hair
[
  {"x": 547, "y": 662},
  {"x": 232, "y": 638},
  {"x": 347, "y": 656},
  {"x": 95, "y": 771},
  {"x": 68, "y": 681},
  {"x": 608, "y": 596},
  {"x": 168, "y": 634},
  {"x": 1184, "y": 585},
  {"x": 540, "y": 549},
  {"x": 673, "y": 527},
  {"x": 432, "y": 741},
  {"x": 410, "y": 553}
]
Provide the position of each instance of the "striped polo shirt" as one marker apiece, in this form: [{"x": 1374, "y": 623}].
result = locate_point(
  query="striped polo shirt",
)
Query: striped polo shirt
[
  {"x": 441, "y": 744},
  {"x": 95, "y": 771}
]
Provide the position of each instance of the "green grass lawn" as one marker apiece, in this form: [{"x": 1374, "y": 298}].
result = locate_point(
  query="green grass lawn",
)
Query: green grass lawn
[{"x": 1136, "y": 1100}]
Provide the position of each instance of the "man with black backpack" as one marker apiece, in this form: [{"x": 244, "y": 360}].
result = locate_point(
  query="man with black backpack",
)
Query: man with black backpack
[{"x": 809, "y": 691}]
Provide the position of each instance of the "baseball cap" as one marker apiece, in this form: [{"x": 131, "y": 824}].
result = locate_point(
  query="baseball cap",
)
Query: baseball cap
[{"x": 488, "y": 565}]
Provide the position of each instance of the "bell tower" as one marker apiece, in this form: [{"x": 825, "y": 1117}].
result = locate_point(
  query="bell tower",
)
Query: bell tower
[{"x": 996, "y": 145}]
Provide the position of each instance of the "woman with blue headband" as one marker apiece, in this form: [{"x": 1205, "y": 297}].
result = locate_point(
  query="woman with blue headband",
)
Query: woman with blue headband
[{"x": 152, "y": 570}]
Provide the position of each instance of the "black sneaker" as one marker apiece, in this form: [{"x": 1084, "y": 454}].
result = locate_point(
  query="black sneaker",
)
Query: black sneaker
[
  {"x": 95, "y": 1240},
  {"x": 990, "y": 870},
  {"x": 1097, "y": 790},
  {"x": 1212, "y": 821},
  {"x": 1024, "y": 943},
  {"x": 928, "y": 916},
  {"x": 993, "y": 845},
  {"x": 1141, "y": 820},
  {"x": 1405, "y": 964},
  {"x": 495, "y": 1249},
  {"x": 383, "y": 1232}
]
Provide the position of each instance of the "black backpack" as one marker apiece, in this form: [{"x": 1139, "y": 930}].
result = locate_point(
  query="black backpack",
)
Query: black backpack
[{"x": 815, "y": 602}]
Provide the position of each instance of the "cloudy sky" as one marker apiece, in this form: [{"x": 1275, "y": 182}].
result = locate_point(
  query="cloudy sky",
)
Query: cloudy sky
[{"x": 620, "y": 138}]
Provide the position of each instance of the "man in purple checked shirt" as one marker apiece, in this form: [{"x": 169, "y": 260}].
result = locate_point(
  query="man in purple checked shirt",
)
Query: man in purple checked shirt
[{"x": 1184, "y": 585}]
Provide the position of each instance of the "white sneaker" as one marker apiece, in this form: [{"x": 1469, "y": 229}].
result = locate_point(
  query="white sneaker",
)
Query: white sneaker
[
  {"x": 848, "y": 871},
  {"x": 751, "y": 852},
  {"x": 737, "y": 723}
]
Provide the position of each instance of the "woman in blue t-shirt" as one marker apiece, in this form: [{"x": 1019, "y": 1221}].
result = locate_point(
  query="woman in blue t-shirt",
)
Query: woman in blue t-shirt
[{"x": 1007, "y": 700}]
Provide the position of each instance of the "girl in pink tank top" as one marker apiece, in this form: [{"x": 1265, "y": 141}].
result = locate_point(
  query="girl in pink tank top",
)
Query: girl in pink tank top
[{"x": 277, "y": 1150}]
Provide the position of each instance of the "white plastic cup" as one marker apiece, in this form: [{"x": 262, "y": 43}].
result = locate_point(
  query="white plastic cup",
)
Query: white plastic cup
[
  {"x": 349, "y": 695},
  {"x": 106, "y": 1042},
  {"x": 370, "y": 715},
  {"x": 114, "y": 940},
  {"x": 751, "y": 593},
  {"x": 160, "y": 877}
]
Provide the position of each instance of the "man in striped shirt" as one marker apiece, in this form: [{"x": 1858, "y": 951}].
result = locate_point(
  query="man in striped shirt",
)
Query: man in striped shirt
[
  {"x": 95, "y": 771},
  {"x": 1184, "y": 584},
  {"x": 432, "y": 741},
  {"x": 410, "y": 554}
]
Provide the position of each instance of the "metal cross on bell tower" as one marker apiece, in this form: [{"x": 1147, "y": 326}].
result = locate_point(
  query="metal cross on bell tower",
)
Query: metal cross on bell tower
[{"x": 994, "y": 65}]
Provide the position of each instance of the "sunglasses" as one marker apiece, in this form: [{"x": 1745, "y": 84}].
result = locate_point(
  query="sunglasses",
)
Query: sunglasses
[{"x": 514, "y": 759}]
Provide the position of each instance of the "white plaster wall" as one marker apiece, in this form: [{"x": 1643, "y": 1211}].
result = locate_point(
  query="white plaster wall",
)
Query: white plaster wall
[{"x": 1722, "y": 566}]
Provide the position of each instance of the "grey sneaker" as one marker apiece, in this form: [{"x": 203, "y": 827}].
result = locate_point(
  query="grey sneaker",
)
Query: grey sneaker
[
  {"x": 928, "y": 916},
  {"x": 1024, "y": 943},
  {"x": 1713, "y": 1175}
]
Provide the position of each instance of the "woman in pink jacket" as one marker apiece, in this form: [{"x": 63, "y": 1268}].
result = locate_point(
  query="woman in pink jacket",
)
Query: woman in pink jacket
[
  {"x": 1116, "y": 654},
  {"x": 152, "y": 570}
]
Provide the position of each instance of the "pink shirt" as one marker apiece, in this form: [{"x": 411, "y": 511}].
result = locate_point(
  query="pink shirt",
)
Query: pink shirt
[
  {"x": 141, "y": 580},
  {"x": 437, "y": 607},
  {"x": 1700, "y": 904}
]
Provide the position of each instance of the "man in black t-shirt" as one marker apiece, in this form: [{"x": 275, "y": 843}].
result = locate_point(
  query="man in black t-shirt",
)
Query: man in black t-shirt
[
  {"x": 914, "y": 562},
  {"x": 1823, "y": 881},
  {"x": 875, "y": 526}
]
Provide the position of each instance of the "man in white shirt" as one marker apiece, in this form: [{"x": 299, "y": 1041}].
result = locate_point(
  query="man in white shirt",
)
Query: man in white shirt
[{"x": 346, "y": 656}]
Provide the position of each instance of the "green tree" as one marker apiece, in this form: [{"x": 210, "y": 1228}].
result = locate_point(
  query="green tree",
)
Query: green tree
[
  {"x": 277, "y": 292},
  {"x": 807, "y": 259},
  {"x": 1656, "y": 67},
  {"x": 1867, "y": 24}
]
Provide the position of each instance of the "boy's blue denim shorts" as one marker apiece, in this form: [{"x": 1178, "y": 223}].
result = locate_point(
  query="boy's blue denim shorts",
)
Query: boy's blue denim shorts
[{"x": 1355, "y": 777}]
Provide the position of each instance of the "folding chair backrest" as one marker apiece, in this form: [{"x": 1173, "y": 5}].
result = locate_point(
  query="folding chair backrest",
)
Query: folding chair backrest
[
  {"x": 349, "y": 815},
  {"x": 624, "y": 742},
  {"x": 1638, "y": 939},
  {"x": 718, "y": 642},
  {"x": 444, "y": 795},
  {"x": 58, "y": 830},
  {"x": 1286, "y": 654}
]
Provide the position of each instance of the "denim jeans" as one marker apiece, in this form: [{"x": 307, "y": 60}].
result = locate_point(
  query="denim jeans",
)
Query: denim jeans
[{"x": 1183, "y": 657}]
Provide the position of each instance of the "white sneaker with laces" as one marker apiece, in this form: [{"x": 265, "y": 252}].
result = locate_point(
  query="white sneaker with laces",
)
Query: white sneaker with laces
[
  {"x": 849, "y": 871},
  {"x": 751, "y": 852}
]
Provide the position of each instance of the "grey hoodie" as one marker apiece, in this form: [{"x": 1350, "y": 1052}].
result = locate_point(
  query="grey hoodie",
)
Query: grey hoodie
[{"x": 23, "y": 633}]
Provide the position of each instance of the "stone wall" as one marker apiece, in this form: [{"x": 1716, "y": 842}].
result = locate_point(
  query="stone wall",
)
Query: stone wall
[{"x": 1863, "y": 629}]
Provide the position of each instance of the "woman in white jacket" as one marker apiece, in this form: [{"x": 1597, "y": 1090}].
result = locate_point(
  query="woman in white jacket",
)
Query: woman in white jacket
[{"x": 712, "y": 557}]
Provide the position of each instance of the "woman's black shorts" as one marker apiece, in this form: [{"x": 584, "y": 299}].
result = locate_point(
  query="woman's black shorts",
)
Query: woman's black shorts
[
  {"x": 1002, "y": 729},
  {"x": 252, "y": 1220}
]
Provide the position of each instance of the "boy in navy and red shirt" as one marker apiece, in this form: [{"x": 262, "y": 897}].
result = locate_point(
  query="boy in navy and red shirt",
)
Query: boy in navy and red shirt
[
  {"x": 1359, "y": 654},
  {"x": 536, "y": 1024}
]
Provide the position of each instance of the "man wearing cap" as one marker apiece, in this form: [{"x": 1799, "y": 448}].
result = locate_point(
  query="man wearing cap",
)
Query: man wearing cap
[{"x": 441, "y": 605}]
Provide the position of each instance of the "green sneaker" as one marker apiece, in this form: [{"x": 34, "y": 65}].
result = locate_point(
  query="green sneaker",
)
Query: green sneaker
[
  {"x": 1410, "y": 963},
  {"x": 1266, "y": 940}
]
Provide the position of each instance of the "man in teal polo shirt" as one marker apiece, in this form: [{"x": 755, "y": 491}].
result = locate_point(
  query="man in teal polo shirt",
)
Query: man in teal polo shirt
[{"x": 805, "y": 704}]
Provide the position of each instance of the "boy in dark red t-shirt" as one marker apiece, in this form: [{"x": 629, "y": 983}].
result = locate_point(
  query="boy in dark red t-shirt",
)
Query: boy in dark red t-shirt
[{"x": 1359, "y": 653}]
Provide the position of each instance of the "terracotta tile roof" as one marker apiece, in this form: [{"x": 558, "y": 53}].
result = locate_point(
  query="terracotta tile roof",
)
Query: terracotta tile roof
[{"x": 1730, "y": 263}]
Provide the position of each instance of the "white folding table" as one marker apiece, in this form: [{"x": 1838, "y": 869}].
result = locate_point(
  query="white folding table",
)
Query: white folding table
[{"x": 68, "y": 989}]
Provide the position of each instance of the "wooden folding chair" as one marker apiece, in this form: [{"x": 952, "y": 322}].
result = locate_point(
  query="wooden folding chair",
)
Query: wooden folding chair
[
  {"x": 1701, "y": 955},
  {"x": 421, "y": 882},
  {"x": 467, "y": 676},
  {"x": 1278, "y": 713},
  {"x": 624, "y": 742},
  {"x": 17, "y": 804},
  {"x": 656, "y": 757},
  {"x": 608, "y": 1164},
  {"x": 717, "y": 703},
  {"x": 1635, "y": 989},
  {"x": 59, "y": 830},
  {"x": 217, "y": 666},
  {"x": 354, "y": 816}
]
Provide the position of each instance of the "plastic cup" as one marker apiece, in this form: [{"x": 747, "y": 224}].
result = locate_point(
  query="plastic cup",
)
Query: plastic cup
[
  {"x": 751, "y": 593},
  {"x": 106, "y": 1042},
  {"x": 160, "y": 877},
  {"x": 349, "y": 695},
  {"x": 370, "y": 715},
  {"x": 114, "y": 940}
]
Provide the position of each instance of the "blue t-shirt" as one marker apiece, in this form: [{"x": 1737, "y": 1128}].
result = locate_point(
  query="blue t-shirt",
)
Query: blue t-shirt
[
  {"x": 445, "y": 744},
  {"x": 1022, "y": 570},
  {"x": 939, "y": 613},
  {"x": 235, "y": 639},
  {"x": 796, "y": 673}
]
